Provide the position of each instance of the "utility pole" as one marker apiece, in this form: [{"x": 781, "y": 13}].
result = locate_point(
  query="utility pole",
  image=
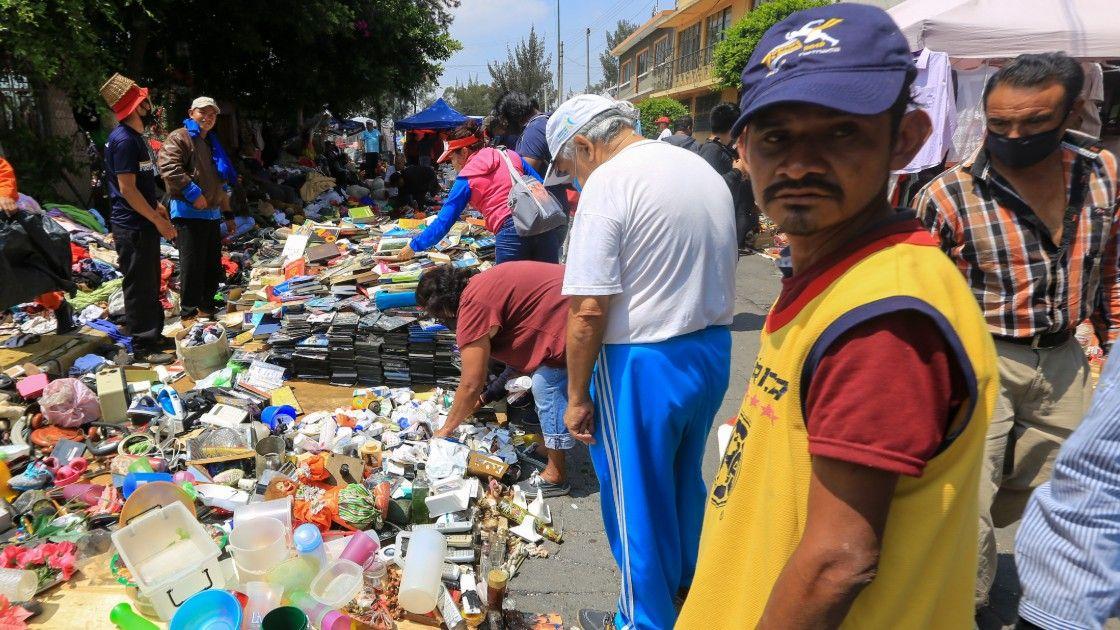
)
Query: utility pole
[
  {"x": 559, "y": 58},
  {"x": 588, "y": 40}
]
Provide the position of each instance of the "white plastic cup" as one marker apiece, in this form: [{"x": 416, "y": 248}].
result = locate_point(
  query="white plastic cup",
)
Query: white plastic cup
[
  {"x": 259, "y": 544},
  {"x": 18, "y": 585},
  {"x": 279, "y": 509},
  {"x": 263, "y": 597},
  {"x": 423, "y": 569}
]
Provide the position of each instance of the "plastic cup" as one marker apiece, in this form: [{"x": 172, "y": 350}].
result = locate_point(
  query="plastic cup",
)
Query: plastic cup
[
  {"x": 264, "y": 597},
  {"x": 18, "y": 585},
  {"x": 211, "y": 609},
  {"x": 279, "y": 509},
  {"x": 259, "y": 544},
  {"x": 360, "y": 548},
  {"x": 285, "y": 618},
  {"x": 337, "y": 583},
  {"x": 294, "y": 574}
]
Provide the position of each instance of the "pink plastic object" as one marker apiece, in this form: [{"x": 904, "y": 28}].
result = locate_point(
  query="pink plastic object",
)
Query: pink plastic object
[
  {"x": 87, "y": 493},
  {"x": 32, "y": 386},
  {"x": 67, "y": 402},
  {"x": 359, "y": 549},
  {"x": 182, "y": 477},
  {"x": 71, "y": 472}
]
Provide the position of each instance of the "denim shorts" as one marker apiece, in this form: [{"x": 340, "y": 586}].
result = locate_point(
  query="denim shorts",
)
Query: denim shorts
[{"x": 550, "y": 390}]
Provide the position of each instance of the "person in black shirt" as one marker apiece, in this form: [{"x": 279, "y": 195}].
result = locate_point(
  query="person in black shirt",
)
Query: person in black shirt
[
  {"x": 138, "y": 219},
  {"x": 719, "y": 150},
  {"x": 414, "y": 185},
  {"x": 682, "y": 134}
]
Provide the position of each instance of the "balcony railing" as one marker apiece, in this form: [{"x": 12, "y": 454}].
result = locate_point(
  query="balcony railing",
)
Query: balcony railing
[{"x": 683, "y": 70}]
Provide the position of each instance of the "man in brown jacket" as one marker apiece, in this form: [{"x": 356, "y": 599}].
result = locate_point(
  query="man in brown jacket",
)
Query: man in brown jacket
[{"x": 197, "y": 173}]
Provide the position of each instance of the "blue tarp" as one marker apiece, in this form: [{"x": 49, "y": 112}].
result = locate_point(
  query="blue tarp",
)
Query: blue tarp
[{"x": 439, "y": 115}]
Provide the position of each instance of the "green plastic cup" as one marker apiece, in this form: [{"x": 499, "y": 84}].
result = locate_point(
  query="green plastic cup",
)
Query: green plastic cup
[{"x": 285, "y": 618}]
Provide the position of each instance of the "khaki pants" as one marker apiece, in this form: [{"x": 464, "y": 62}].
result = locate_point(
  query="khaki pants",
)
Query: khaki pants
[{"x": 1043, "y": 395}]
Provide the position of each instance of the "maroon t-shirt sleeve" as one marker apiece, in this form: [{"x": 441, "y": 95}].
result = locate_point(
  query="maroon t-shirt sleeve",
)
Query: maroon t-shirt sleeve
[
  {"x": 884, "y": 394},
  {"x": 477, "y": 315}
]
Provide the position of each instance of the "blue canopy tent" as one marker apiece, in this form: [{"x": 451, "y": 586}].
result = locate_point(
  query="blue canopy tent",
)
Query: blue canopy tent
[{"x": 438, "y": 116}]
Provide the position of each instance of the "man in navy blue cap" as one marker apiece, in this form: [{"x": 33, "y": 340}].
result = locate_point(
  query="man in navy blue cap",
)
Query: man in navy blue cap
[{"x": 847, "y": 495}]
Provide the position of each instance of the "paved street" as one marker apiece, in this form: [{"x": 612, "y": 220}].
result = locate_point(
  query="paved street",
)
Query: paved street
[{"x": 582, "y": 574}]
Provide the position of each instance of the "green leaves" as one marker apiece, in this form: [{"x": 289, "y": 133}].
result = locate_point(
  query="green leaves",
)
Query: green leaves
[
  {"x": 733, "y": 53},
  {"x": 653, "y": 108}
]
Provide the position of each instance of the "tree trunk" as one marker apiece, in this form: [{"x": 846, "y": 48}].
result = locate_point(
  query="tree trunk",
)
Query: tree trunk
[{"x": 57, "y": 116}]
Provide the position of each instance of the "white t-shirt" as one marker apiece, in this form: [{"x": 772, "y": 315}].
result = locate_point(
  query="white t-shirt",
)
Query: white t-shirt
[
  {"x": 655, "y": 230},
  {"x": 665, "y": 133}
]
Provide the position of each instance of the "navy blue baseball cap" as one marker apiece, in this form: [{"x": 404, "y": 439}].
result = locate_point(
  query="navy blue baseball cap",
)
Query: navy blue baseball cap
[{"x": 849, "y": 57}]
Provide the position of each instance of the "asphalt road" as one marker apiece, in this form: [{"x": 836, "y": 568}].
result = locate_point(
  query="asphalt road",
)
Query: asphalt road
[{"x": 581, "y": 572}]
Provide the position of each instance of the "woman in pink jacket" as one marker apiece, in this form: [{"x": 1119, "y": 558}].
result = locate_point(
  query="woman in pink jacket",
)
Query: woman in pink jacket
[{"x": 483, "y": 182}]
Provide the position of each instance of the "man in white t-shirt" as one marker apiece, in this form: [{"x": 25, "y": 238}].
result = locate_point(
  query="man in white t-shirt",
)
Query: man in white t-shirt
[{"x": 651, "y": 279}]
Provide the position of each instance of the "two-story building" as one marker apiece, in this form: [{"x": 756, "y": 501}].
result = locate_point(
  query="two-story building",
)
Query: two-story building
[{"x": 671, "y": 55}]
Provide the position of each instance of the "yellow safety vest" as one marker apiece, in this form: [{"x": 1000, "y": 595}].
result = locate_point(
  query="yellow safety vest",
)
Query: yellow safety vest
[{"x": 757, "y": 508}]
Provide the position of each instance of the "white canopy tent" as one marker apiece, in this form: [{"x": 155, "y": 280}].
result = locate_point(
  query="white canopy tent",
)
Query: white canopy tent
[{"x": 996, "y": 29}]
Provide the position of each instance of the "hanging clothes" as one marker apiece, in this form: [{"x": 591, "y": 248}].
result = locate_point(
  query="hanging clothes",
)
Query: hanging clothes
[
  {"x": 971, "y": 125},
  {"x": 933, "y": 93}
]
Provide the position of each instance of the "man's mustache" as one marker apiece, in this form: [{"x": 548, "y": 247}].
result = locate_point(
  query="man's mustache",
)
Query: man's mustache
[{"x": 811, "y": 184}]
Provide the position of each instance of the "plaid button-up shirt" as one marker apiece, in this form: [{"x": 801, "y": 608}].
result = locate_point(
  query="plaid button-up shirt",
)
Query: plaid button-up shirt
[{"x": 1025, "y": 283}]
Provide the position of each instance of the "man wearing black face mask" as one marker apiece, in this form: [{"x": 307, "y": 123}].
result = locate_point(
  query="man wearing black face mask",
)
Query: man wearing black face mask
[{"x": 1031, "y": 221}]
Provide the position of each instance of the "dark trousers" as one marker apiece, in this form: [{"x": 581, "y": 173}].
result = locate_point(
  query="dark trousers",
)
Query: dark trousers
[
  {"x": 138, "y": 255},
  {"x": 200, "y": 262}
]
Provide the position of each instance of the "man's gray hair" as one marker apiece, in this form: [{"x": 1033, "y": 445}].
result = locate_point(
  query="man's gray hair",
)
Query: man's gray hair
[{"x": 605, "y": 127}]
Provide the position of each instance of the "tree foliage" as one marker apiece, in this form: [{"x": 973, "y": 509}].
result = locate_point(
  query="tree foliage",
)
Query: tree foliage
[
  {"x": 733, "y": 53},
  {"x": 525, "y": 70},
  {"x": 621, "y": 31},
  {"x": 653, "y": 108},
  {"x": 473, "y": 97}
]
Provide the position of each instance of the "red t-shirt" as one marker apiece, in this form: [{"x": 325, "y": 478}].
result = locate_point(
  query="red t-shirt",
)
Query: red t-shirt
[
  {"x": 523, "y": 300},
  {"x": 885, "y": 392}
]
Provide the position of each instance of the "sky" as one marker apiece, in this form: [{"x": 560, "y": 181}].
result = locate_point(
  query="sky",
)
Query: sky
[{"x": 486, "y": 27}]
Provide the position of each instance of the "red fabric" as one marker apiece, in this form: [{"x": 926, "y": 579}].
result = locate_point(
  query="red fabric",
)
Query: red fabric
[
  {"x": 8, "y": 188},
  {"x": 800, "y": 289},
  {"x": 229, "y": 266},
  {"x": 884, "y": 394},
  {"x": 77, "y": 253},
  {"x": 523, "y": 300},
  {"x": 128, "y": 103},
  {"x": 51, "y": 300},
  {"x": 165, "y": 271}
]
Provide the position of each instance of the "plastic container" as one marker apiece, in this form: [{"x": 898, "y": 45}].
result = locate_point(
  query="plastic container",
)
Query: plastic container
[
  {"x": 18, "y": 585},
  {"x": 134, "y": 480},
  {"x": 170, "y": 556},
  {"x": 337, "y": 583},
  {"x": 308, "y": 541},
  {"x": 396, "y": 299},
  {"x": 360, "y": 548},
  {"x": 294, "y": 574},
  {"x": 279, "y": 509},
  {"x": 125, "y": 618},
  {"x": 5, "y": 475},
  {"x": 264, "y": 597},
  {"x": 277, "y": 414},
  {"x": 211, "y": 609},
  {"x": 423, "y": 568},
  {"x": 258, "y": 545},
  {"x": 322, "y": 616},
  {"x": 285, "y": 618}
]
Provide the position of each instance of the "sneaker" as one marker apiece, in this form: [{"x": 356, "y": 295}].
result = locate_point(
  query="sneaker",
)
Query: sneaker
[
  {"x": 154, "y": 356},
  {"x": 34, "y": 477},
  {"x": 188, "y": 312},
  {"x": 547, "y": 488},
  {"x": 596, "y": 619}
]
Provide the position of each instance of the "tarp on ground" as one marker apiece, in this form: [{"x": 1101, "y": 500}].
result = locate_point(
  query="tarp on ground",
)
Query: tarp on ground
[
  {"x": 994, "y": 29},
  {"x": 439, "y": 115}
]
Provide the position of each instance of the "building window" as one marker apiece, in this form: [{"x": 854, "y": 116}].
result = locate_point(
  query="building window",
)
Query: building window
[
  {"x": 624, "y": 75},
  {"x": 689, "y": 47},
  {"x": 704, "y": 105},
  {"x": 662, "y": 50},
  {"x": 643, "y": 62},
  {"x": 717, "y": 26}
]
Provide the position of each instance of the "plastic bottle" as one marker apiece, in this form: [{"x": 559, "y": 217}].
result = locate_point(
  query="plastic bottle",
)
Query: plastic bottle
[
  {"x": 124, "y": 618},
  {"x": 419, "y": 493},
  {"x": 423, "y": 571},
  {"x": 18, "y": 585},
  {"x": 321, "y": 616},
  {"x": 308, "y": 541}
]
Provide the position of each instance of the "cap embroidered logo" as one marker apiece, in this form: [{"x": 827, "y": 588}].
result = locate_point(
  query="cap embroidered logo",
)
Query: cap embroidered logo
[{"x": 809, "y": 39}]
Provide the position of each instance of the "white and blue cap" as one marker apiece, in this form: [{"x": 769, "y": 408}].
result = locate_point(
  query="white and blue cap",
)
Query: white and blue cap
[{"x": 574, "y": 115}]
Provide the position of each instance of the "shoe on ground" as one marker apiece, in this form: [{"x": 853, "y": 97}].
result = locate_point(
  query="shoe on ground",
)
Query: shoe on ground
[
  {"x": 35, "y": 477},
  {"x": 596, "y": 619},
  {"x": 188, "y": 312},
  {"x": 547, "y": 488},
  {"x": 155, "y": 356}
]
